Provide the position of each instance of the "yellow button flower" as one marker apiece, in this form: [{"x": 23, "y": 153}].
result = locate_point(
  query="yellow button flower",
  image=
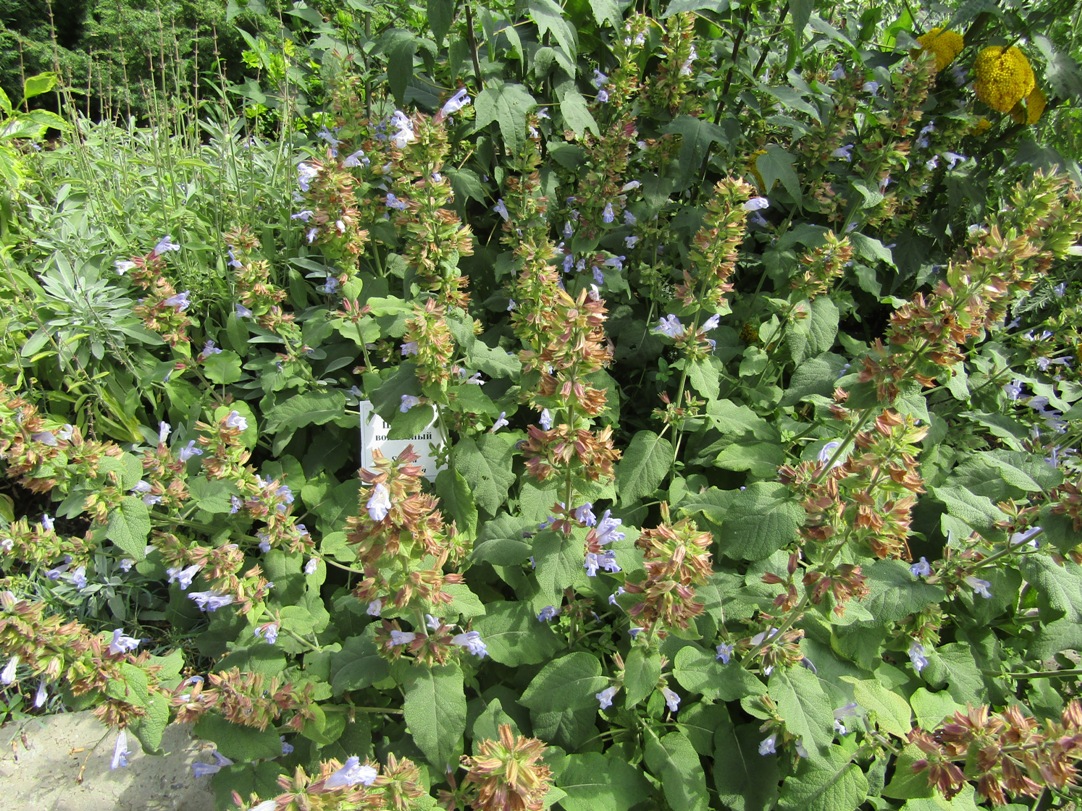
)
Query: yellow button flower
[
  {"x": 1034, "y": 108},
  {"x": 1004, "y": 77},
  {"x": 946, "y": 45}
]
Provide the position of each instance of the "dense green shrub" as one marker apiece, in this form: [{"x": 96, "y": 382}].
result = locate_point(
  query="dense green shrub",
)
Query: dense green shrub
[{"x": 754, "y": 338}]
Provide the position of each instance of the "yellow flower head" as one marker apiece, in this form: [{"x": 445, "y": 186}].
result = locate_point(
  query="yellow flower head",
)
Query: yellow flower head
[
  {"x": 946, "y": 45},
  {"x": 1004, "y": 77},
  {"x": 1035, "y": 104},
  {"x": 982, "y": 126}
]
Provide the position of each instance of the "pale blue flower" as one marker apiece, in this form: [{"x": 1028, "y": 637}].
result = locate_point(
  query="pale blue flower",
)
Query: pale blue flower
[
  {"x": 607, "y": 215},
  {"x": 471, "y": 641},
  {"x": 932, "y": 163},
  {"x": 330, "y": 287},
  {"x": 287, "y": 747},
  {"x": 630, "y": 241},
  {"x": 408, "y": 402},
  {"x": 7, "y": 675},
  {"x": 200, "y": 769},
  {"x": 326, "y": 135},
  {"x": 395, "y": 203},
  {"x": 1029, "y": 536},
  {"x": 269, "y": 632},
  {"x": 120, "y": 751},
  {"x": 234, "y": 505},
  {"x": 917, "y": 657},
  {"x": 711, "y": 323},
  {"x": 401, "y": 638},
  {"x": 303, "y": 216},
  {"x": 828, "y": 451},
  {"x": 47, "y": 523},
  {"x": 669, "y": 326},
  {"x": 501, "y": 209},
  {"x": 188, "y": 451},
  {"x": 953, "y": 159},
  {"x": 724, "y": 653},
  {"x": 356, "y": 159},
  {"x": 921, "y": 568},
  {"x": 210, "y": 601},
  {"x": 629, "y": 218},
  {"x": 585, "y": 515},
  {"x": 126, "y": 564},
  {"x": 45, "y": 438},
  {"x": 756, "y": 204},
  {"x": 549, "y": 612},
  {"x": 843, "y": 152},
  {"x": 42, "y": 695},
  {"x": 403, "y": 130},
  {"x": 209, "y": 349},
  {"x": 123, "y": 266},
  {"x": 605, "y": 697},
  {"x": 121, "y": 643},
  {"x": 409, "y": 348},
  {"x": 165, "y": 244},
  {"x": 352, "y": 773},
  {"x": 375, "y": 608},
  {"x": 180, "y": 302},
  {"x": 607, "y": 529},
  {"x": 236, "y": 421},
  {"x": 242, "y": 311},
  {"x": 306, "y": 173},
  {"x": 546, "y": 419},
  {"x": 379, "y": 504},
  {"x": 78, "y": 578},
  {"x": 979, "y": 586},
  {"x": 499, "y": 423},
  {"x": 594, "y": 561},
  {"x": 672, "y": 700},
  {"x": 311, "y": 566},
  {"x": 768, "y": 745},
  {"x": 455, "y": 103},
  {"x": 870, "y": 87}
]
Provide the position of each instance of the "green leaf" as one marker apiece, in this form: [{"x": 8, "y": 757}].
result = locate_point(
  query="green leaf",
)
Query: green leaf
[
  {"x": 684, "y": 6},
  {"x": 575, "y": 111},
  {"x": 566, "y": 728},
  {"x": 435, "y": 712},
  {"x": 674, "y": 761},
  {"x": 1058, "y": 587},
  {"x": 931, "y": 708},
  {"x": 871, "y": 249},
  {"x": 485, "y": 463},
  {"x": 705, "y": 376},
  {"x": 223, "y": 367},
  {"x": 696, "y": 136},
  {"x": 413, "y": 421},
  {"x": 129, "y": 527},
  {"x": 894, "y": 593},
  {"x": 978, "y": 512},
  {"x": 744, "y": 779},
  {"x": 698, "y": 671},
  {"x": 313, "y": 408},
  {"x": 826, "y": 785},
  {"x": 570, "y": 682},
  {"x": 559, "y": 563},
  {"x": 150, "y": 727},
  {"x": 644, "y": 465},
  {"x": 514, "y": 636},
  {"x": 239, "y": 743},
  {"x": 550, "y": 19},
  {"x": 597, "y": 782},
  {"x": 211, "y": 495},
  {"x": 805, "y": 708},
  {"x": 41, "y": 83},
  {"x": 505, "y": 540},
  {"x": 762, "y": 459},
  {"x": 400, "y": 47},
  {"x": 886, "y": 708},
  {"x": 457, "y": 499},
  {"x": 642, "y": 669},
  {"x": 606, "y": 11},
  {"x": 508, "y": 105},
  {"x": 955, "y": 666},
  {"x": 440, "y": 15},
  {"x": 777, "y": 166},
  {"x": 357, "y": 665},
  {"x": 754, "y": 523}
]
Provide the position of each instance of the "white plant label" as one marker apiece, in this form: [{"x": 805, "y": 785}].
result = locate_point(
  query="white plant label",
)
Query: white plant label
[{"x": 374, "y": 435}]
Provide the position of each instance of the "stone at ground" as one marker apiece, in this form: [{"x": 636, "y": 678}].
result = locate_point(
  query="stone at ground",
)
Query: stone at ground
[{"x": 61, "y": 763}]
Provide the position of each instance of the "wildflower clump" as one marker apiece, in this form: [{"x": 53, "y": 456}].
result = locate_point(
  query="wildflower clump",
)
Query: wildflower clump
[
  {"x": 508, "y": 774},
  {"x": 943, "y": 44},
  {"x": 1004, "y": 77}
]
